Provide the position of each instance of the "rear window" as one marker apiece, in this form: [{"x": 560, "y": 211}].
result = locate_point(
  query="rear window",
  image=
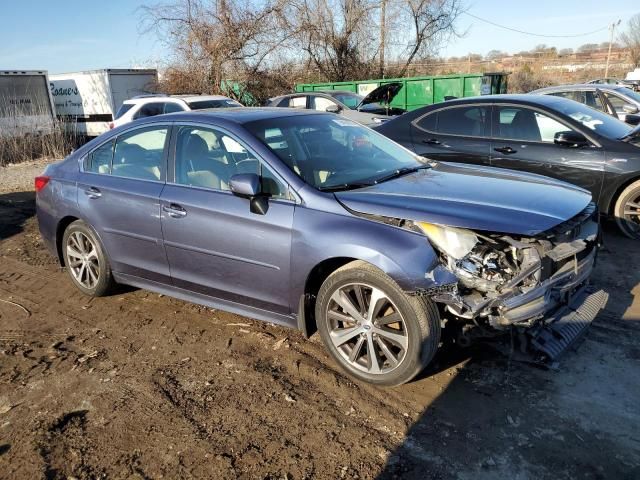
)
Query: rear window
[
  {"x": 202, "y": 104},
  {"x": 124, "y": 109},
  {"x": 466, "y": 121}
]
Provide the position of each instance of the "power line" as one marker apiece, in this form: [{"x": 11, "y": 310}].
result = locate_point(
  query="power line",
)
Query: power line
[{"x": 531, "y": 33}]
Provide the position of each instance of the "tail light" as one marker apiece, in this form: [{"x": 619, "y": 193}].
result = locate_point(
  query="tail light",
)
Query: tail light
[
  {"x": 41, "y": 182},
  {"x": 111, "y": 125}
]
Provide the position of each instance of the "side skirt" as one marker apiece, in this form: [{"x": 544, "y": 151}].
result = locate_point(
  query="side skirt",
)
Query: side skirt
[{"x": 225, "y": 305}]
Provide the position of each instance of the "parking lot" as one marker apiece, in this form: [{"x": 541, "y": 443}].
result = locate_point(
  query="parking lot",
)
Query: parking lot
[{"x": 139, "y": 385}]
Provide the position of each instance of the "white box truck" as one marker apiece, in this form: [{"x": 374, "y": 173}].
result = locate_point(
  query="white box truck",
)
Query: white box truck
[
  {"x": 26, "y": 106},
  {"x": 88, "y": 101}
]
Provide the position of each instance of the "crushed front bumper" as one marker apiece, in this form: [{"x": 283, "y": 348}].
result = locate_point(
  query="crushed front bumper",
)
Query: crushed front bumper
[
  {"x": 546, "y": 317},
  {"x": 551, "y": 339}
]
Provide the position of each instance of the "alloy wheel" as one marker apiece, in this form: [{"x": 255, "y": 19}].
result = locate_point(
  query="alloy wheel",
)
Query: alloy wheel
[
  {"x": 367, "y": 329},
  {"x": 82, "y": 259},
  {"x": 632, "y": 214}
]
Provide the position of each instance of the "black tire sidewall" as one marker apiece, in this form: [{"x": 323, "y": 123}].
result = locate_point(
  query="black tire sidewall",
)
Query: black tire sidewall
[
  {"x": 416, "y": 357},
  {"x": 104, "y": 277}
]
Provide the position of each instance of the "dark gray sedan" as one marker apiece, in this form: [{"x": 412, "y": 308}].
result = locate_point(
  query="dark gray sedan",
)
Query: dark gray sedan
[{"x": 313, "y": 221}]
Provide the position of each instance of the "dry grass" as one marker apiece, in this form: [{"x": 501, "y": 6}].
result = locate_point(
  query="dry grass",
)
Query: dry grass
[{"x": 31, "y": 146}]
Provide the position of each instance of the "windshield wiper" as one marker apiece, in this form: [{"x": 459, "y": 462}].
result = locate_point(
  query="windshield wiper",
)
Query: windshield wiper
[
  {"x": 400, "y": 172},
  {"x": 345, "y": 186}
]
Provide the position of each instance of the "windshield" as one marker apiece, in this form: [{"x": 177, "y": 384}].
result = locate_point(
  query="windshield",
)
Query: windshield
[
  {"x": 351, "y": 100},
  {"x": 223, "y": 103},
  {"x": 332, "y": 153},
  {"x": 627, "y": 92},
  {"x": 601, "y": 123}
]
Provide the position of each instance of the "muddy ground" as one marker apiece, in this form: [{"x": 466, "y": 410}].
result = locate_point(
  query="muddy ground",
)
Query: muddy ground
[{"x": 138, "y": 385}]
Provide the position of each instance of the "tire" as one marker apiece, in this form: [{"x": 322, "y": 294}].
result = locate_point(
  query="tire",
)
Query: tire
[
  {"x": 410, "y": 342},
  {"x": 85, "y": 259},
  {"x": 627, "y": 203}
]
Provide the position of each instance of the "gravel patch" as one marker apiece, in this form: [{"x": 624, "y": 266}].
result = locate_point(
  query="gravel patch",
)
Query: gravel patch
[{"x": 19, "y": 177}]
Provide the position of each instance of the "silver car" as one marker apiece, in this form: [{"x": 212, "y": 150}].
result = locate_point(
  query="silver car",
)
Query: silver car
[
  {"x": 616, "y": 100},
  {"x": 369, "y": 110}
]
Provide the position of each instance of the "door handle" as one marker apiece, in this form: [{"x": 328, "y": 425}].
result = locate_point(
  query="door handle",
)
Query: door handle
[
  {"x": 505, "y": 150},
  {"x": 431, "y": 141},
  {"x": 174, "y": 210},
  {"x": 93, "y": 192}
]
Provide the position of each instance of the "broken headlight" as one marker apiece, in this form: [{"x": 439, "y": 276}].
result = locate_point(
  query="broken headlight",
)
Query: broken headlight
[
  {"x": 455, "y": 242},
  {"x": 483, "y": 263}
]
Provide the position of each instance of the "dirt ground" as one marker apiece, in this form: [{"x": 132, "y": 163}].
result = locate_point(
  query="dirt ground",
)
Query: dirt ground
[{"x": 141, "y": 386}]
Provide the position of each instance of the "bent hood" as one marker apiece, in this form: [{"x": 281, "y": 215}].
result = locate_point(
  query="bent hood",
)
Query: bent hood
[{"x": 479, "y": 198}]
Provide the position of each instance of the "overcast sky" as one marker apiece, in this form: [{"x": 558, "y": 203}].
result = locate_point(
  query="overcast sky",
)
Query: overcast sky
[{"x": 76, "y": 35}]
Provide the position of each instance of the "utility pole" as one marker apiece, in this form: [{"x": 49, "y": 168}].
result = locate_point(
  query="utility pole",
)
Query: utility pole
[
  {"x": 612, "y": 28},
  {"x": 383, "y": 33}
]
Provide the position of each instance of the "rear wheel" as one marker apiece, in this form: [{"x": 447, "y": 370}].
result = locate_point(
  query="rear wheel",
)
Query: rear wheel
[
  {"x": 627, "y": 210},
  {"x": 85, "y": 260},
  {"x": 375, "y": 331}
]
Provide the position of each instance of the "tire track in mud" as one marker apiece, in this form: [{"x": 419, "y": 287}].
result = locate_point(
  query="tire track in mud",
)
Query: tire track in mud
[
  {"x": 66, "y": 450},
  {"x": 243, "y": 411}
]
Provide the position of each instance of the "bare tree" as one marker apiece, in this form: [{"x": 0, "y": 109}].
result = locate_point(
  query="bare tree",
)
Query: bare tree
[
  {"x": 346, "y": 39},
  {"x": 336, "y": 36},
  {"x": 432, "y": 22},
  {"x": 216, "y": 40},
  {"x": 631, "y": 39}
]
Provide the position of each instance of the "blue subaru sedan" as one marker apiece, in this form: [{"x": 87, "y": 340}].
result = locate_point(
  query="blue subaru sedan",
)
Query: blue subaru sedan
[{"x": 315, "y": 222}]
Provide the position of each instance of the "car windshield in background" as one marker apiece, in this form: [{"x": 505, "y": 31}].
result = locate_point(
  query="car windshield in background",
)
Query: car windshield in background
[
  {"x": 351, "y": 100},
  {"x": 203, "y": 104},
  {"x": 601, "y": 123},
  {"x": 332, "y": 153},
  {"x": 627, "y": 92}
]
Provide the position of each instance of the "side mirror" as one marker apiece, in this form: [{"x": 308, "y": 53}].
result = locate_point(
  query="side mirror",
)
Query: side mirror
[
  {"x": 628, "y": 108},
  {"x": 570, "y": 139},
  {"x": 333, "y": 109},
  {"x": 632, "y": 119},
  {"x": 247, "y": 185}
]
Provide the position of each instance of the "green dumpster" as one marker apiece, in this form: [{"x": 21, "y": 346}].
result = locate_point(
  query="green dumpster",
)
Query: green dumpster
[{"x": 417, "y": 92}]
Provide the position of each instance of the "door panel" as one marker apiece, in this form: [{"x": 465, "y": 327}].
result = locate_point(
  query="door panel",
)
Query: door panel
[
  {"x": 126, "y": 216},
  {"x": 524, "y": 141},
  {"x": 221, "y": 249},
  {"x": 454, "y": 134},
  {"x": 214, "y": 244},
  {"x": 119, "y": 195}
]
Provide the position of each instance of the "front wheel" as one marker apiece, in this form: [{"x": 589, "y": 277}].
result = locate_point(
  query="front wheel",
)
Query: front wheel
[
  {"x": 627, "y": 211},
  {"x": 375, "y": 331},
  {"x": 85, "y": 260}
]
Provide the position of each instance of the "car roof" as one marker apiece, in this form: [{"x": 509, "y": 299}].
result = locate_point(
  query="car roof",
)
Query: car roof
[
  {"x": 240, "y": 115},
  {"x": 523, "y": 98},
  {"x": 322, "y": 92},
  {"x": 580, "y": 86},
  {"x": 161, "y": 98}
]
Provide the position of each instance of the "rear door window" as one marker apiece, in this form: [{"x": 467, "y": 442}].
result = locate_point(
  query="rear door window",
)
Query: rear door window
[
  {"x": 139, "y": 154},
  {"x": 321, "y": 103},
  {"x": 298, "y": 102},
  {"x": 172, "y": 107},
  {"x": 468, "y": 121},
  {"x": 150, "y": 110}
]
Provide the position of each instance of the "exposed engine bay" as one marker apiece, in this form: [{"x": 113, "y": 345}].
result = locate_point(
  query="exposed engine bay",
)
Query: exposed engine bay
[{"x": 525, "y": 285}]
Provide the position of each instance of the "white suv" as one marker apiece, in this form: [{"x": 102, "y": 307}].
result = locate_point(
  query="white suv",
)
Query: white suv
[{"x": 151, "y": 105}]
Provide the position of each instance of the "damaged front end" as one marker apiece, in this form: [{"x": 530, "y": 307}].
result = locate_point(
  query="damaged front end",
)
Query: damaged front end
[{"x": 535, "y": 287}]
